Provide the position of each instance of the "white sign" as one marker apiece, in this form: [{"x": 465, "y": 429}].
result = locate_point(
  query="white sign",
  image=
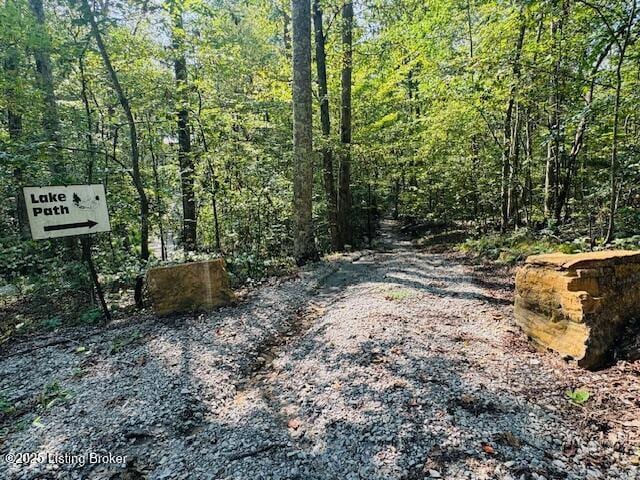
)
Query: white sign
[{"x": 62, "y": 211}]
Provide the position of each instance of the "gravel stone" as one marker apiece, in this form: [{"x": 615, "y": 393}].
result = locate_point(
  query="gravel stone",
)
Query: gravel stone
[{"x": 395, "y": 363}]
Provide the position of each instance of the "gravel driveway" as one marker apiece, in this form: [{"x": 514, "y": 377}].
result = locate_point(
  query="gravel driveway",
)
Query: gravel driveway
[{"x": 384, "y": 364}]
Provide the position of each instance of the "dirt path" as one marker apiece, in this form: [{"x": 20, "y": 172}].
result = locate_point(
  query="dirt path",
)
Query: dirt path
[{"x": 382, "y": 364}]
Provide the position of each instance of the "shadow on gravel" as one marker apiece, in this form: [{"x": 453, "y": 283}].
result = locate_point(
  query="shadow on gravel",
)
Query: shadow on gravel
[
  {"x": 147, "y": 392},
  {"x": 393, "y": 408},
  {"x": 402, "y": 414}
]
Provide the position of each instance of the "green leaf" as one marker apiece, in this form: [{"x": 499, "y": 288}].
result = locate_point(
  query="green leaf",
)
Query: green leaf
[{"x": 578, "y": 397}]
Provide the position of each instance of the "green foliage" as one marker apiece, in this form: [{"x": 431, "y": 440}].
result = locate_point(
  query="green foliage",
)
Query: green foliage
[
  {"x": 52, "y": 323},
  {"x": 119, "y": 343},
  {"x": 6, "y": 408},
  {"x": 434, "y": 86},
  {"x": 517, "y": 246},
  {"x": 53, "y": 394},
  {"x": 91, "y": 315},
  {"x": 578, "y": 397},
  {"x": 630, "y": 243}
]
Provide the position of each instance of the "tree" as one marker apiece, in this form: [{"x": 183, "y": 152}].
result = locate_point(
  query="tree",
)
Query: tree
[
  {"x": 136, "y": 176},
  {"x": 510, "y": 136},
  {"x": 185, "y": 155},
  {"x": 304, "y": 242},
  {"x": 325, "y": 123},
  {"x": 344, "y": 175},
  {"x": 50, "y": 116},
  {"x": 14, "y": 127},
  {"x": 623, "y": 37}
]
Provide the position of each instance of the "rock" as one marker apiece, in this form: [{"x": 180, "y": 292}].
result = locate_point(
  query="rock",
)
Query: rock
[
  {"x": 578, "y": 304},
  {"x": 189, "y": 287},
  {"x": 9, "y": 291}
]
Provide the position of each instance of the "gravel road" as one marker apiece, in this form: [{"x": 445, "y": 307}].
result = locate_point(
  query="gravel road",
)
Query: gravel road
[{"x": 390, "y": 363}]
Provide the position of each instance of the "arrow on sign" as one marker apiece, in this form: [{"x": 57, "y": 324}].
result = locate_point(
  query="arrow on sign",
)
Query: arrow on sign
[{"x": 66, "y": 226}]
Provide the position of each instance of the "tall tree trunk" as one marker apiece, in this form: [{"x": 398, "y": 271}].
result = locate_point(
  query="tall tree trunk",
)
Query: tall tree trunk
[
  {"x": 474, "y": 143},
  {"x": 613, "y": 194},
  {"x": 508, "y": 147},
  {"x": 89, "y": 115},
  {"x": 185, "y": 155},
  {"x": 135, "y": 154},
  {"x": 86, "y": 240},
  {"x": 14, "y": 125},
  {"x": 304, "y": 243},
  {"x": 622, "y": 43},
  {"x": 158, "y": 197},
  {"x": 504, "y": 184},
  {"x": 212, "y": 177},
  {"x": 527, "y": 191},
  {"x": 213, "y": 184},
  {"x": 44, "y": 77},
  {"x": 555, "y": 150},
  {"x": 344, "y": 173},
  {"x": 514, "y": 165},
  {"x": 622, "y": 38},
  {"x": 325, "y": 123},
  {"x": 578, "y": 139}
]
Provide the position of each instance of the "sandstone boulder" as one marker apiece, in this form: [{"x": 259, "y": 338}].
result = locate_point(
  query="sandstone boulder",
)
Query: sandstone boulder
[
  {"x": 189, "y": 287},
  {"x": 578, "y": 304}
]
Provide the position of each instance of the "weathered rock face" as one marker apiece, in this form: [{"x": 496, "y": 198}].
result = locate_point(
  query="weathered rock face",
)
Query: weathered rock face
[
  {"x": 189, "y": 287},
  {"x": 578, "y": 304}
]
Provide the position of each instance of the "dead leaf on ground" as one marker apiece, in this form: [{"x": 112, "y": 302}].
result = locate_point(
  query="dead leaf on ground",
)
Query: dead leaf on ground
[
  {"x": 488, "y": 449},
  {"x": 294, "y": 423}
]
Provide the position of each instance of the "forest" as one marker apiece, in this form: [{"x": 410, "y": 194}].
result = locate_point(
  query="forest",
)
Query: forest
[
  {"x": 320, "y": 239},
  {"x": 269, "y": 133}
]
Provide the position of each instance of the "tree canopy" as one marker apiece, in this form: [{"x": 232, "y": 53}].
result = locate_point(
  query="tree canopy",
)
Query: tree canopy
[{"x": 500, "y": 116}]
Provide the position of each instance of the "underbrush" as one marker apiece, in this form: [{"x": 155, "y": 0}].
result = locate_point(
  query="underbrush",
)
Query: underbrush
[
  {"x": 243, "y": 268},
  {"x": 515, "y": 247},
  {"x": 61, "y": 296}
]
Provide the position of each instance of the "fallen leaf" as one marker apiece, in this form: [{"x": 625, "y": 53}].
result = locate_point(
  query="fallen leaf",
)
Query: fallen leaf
[
  {"x": 294, "y": 423},
  {"x": 488, "y": 449}
]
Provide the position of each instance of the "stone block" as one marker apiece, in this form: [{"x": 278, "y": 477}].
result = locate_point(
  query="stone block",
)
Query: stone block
[
  {"x": 578, "y": 305},
  {"x": 189, "y": 287}
]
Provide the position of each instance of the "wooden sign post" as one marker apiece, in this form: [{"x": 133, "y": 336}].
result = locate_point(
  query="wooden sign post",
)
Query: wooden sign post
[{"x": 70, "y": 210}]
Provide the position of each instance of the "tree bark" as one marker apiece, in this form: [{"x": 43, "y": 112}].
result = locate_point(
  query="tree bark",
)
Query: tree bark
[
  {"x": 555, "y": 151},
  {"x": 14, "y": 126},
  {"x": 157, "y": 194},
  {"x": 514, "y": 165},
  {"x": 135, "y": 153},
  {"x": 325, "y": 123},
  {"x": 508, "y": 147},
  {"x": 578, "y": 139},
  {"x": 344, "y": 174},
  {"x": 185, "y": 155},
  {"x": 613, "y": 171},
  {"x": 44, "y": 80},
  {"x": 304, "y": 243}
]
